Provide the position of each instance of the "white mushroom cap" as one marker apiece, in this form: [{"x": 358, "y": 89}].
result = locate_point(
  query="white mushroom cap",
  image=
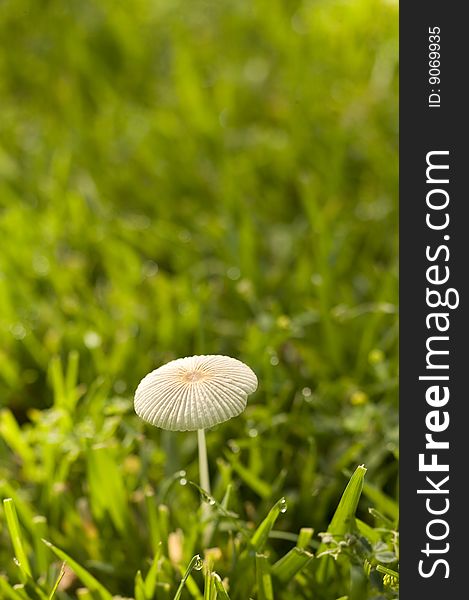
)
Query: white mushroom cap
[{"x": 194, "y": 392}]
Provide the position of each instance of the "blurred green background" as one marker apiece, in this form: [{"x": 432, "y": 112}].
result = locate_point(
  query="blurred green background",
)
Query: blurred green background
[{"x": 180, "y": 178}]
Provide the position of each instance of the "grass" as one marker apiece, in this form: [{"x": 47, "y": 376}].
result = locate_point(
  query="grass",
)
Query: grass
[{"x": 182, "y": 178}]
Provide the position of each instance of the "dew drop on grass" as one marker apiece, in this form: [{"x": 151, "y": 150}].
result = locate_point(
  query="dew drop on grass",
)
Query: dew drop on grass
[
  {"x": 120, "y": 386},
  {"x": 18, "y": 331},
  {"x": 207, "y": 498},
  {"x": 233, "y": 273},
  {"x": 199, "y": 563},
  {"x": 92, "y": 340},
  {"x": 283, "y": 505},
  {"x": 182, "y": 477},
  {"x": 234, "y": 447}
]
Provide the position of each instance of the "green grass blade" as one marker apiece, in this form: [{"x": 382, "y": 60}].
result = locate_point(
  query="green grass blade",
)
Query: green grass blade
[
  {"x": 259, "y": 486},
  {"x": 227, "y": 496},
  {"x": 193, "y": 588},
  {"x": 15, "y": 535},
  {"x": 265, "y": 590},
  {"x": 163, "y": 522},
  {"x": 106, "y": 486},
  {"x": 380, "y": 518},
  {"x": 216, "y": 506},
  {"x": 71, "y": 379},
  {"x": 368, "y": 532},
  {"x": 381, "y": 501},
  {"x": 13, "y": 436},
  {"x": 29, "y": 587},
  {"x": 89, "y": 580},
  {"x": 56, "y": 377},
  {"x": 152, "y": 519},
  {"x": 292, "y": 563},
  {"x": 261, "y": 534},
  {"x": 304, "y": 537},
  {"x": 139, "y": 587},
  {"x": 152, "y": 575},
  {"x": 57, "y": 582},
  {"x": 7, "y": 591},
  {"x": 387, "y": 571},
  {"x": 21, "y": 506},
  {"x": 222, "y": 594},
  {"x": 210, "y": 592},
  {"x": 343, "y": 520},
  {"x": 195, "y": 563},
  {"x": 244, "y": 573},
  {"x": 22, "y": 591},
  {"x": 40, "y": 552}
]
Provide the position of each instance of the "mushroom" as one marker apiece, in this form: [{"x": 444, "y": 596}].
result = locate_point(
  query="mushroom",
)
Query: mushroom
[{"x": 195, "y": 393}]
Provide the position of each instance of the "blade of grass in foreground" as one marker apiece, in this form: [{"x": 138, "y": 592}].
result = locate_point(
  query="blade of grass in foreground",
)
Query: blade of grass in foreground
[
  {"x": 15, "y": 534},
  {"x": 196, "y": 563},
  {"x": 261, "y": 534},
  {"x": 139, "y": 587},
  {"x": 57, "y": 582},
  {"x": 89, "y": 580},
  {"x": 343, "y": 520},
  {"x": 292, "y": 563},
  {"x": 244, "y": 573},
  {"x": 193, "y": 589},
  {"x": 263, "y": 579},
  {"x": 29, "y": 588},
  {"x": 210, "y": 591},
  {"x": 365, "y": 530},
  {"x": 304, "y": 537},
  {"x": 287, "y": 567},
  {"x": 381, "y": 501},
  {"x": 24, "y": 511},
  {"x": 222, "y": 594},
  {"x": 7, "y": 591},
  {"x": 41, "y": 556},
  {"x": 13, "y": 436}
]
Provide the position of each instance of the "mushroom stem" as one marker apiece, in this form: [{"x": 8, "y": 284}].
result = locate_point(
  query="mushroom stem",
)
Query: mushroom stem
[{"x": 203, "y": 462}]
